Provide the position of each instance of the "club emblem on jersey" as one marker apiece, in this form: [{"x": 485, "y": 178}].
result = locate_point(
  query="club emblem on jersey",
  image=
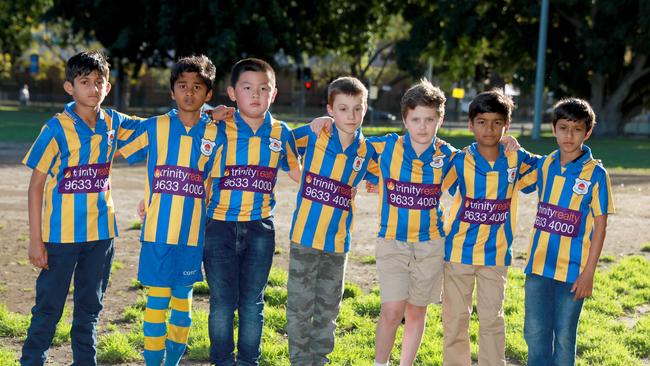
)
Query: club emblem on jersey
[
  {"x": 512, "y": 174},
  {"x": 358, "y": 162},
  {"x": 308, "y": 178},
  {"x": 438, "y": 161},
  {"x": 581, "y": 186},
  {"x": 390, "y": 185},
  {"x": 207, "y": 147},
  {"x": 110, "y": 135},
  {"x": 275, "y": 145}
]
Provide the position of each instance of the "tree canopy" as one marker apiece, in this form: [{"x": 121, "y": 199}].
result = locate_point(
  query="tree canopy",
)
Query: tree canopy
[{"x": 596, "y": 49}]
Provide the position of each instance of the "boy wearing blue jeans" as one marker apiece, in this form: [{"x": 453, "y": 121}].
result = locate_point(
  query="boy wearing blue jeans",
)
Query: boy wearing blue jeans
[
  {"x": 240, "y": 233},
  {"x": 575, "y": 199},
  {"x": 73, "y": 234}
]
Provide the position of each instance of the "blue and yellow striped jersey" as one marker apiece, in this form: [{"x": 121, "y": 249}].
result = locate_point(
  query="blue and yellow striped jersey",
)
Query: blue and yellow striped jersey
[
  {"x": 323, "y": 218},
  {"x": 569, "y": 199},
  {"x": 179, "y": 161},
  {"x": 245, "y": 172},
  {"x": 483, "y": 213},
  {"x": 78, "y": 206},
  {"x": 410, "y": 188}
]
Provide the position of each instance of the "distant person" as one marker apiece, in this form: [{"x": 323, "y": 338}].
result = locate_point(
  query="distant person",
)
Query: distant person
[
  {"x": 24, "y": 95},
  {"x": 240, "y": 230},
  {"x": 73, "y": 234},
  {"x": 575, "y": 198}
]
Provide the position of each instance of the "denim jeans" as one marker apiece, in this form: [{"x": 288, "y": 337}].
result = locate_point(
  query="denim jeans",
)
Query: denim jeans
[
  {"x": 91, "y": 265},
  {"x": 551, "y": 321},
  {"x": 237, "y": 259}
]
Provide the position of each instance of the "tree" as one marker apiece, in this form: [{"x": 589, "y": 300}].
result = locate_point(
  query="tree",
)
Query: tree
[
  {"x": 596, "y": 49},
  {"x": 16, "y": 19},
  {"x": 139, "y": 31}
]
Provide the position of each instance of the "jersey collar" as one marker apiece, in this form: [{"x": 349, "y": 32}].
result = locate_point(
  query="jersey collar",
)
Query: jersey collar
[
  {"x": 575, "y": 165},
  {"x": 241, "y": 124},
  {"x": 100, "y": 126},
  {"x": 426, "y": 156},
  {"x": 500, "y": 164}
]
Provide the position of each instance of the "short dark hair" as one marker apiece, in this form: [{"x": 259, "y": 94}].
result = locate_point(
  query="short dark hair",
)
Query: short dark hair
[
  {"x": 423, "y": 94},
  {"x": 83, "y": 63},
  {"x": 199, "y": 64},
  {"x": 576, "y": 110},
  {"x": 347, "y": 85},
  {"x": 492, "y": 101},
  {"x": 250, "y": 64}
]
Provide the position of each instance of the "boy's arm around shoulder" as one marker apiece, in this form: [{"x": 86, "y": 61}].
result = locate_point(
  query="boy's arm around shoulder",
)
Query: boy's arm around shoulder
[
  {"x": 528, "y": 170},
  {"x": 290, "y": 162},
  {"x": 133, "y": 139}
]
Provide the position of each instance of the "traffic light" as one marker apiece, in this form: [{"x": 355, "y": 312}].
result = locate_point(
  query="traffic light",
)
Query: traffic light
[{"x": 305, "y": 76}]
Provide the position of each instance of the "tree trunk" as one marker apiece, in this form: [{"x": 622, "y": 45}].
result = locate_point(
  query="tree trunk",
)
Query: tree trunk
[
  {"x": 120, "y": 96},
  {"x": 608, "y": 106}
]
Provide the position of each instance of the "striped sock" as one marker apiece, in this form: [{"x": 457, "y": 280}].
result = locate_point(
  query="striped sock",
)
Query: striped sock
[
  {"x": 154, "y": 327},
  {"x": 179, "y": 324}
]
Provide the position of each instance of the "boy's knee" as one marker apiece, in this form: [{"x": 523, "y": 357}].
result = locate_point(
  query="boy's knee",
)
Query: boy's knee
[{"x": 392, "y": 315}]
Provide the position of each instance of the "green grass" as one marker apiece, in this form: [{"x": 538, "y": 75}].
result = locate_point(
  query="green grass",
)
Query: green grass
[
  {"x": 117, "y": 265},
  {"x": 135, "y": 225},
  {"x": 603, "y": 338},
  {"x": 368, "y": 259},
  {"x": 8, "y": 357},
  {"x": 12, "y": 324},
  {"x": 23, "y": 124},
  {"x": 201, "y": 288},
  {"x": 645, "y": 248},
  {"x": 607, "y": 258},
  {"x": 615, "y": 152},
  {"x": 115, "y": 347}
]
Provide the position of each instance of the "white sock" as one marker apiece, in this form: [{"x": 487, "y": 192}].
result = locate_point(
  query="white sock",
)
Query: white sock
[{"x": 381, "y": 364}]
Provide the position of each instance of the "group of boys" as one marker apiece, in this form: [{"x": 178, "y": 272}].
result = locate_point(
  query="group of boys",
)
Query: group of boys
[{"x": 209, "y": 200}]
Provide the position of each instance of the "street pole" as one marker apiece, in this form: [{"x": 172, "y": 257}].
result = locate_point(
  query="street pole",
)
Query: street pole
[{"x": 539, "y": 77}]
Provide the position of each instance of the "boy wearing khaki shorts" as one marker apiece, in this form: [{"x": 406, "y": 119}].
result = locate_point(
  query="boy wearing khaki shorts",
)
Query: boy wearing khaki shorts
[{"x": 410, "y": 249}]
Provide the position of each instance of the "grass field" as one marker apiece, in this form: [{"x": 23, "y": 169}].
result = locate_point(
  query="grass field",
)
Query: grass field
[
  {"x": 613, "y": 331},
  {"x": 23, "y": 125}
]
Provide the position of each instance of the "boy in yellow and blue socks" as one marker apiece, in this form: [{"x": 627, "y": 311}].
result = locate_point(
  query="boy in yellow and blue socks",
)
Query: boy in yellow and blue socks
[
  {"x": 180, "y": 149},
  {"x": 480, "y": 232},
  {"x": 334, "y": 163},
  {"x": 240, "y": 234},
  {"x": 575, "y": 198},
  {"x": 73, "y": 234}
]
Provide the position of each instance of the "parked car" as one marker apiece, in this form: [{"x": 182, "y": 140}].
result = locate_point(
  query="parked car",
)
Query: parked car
[
  {"x": 638, "y": 125},
  {"x": 379, "y": 117}
]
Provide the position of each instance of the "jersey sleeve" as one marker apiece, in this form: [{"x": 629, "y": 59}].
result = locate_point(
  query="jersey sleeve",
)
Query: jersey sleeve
[
  {"x": 133, "y": 139},
  {"x": 379, "y": 142},
  {"x": 289, "y": 160},
  {"x": 41, "y": 156},
  {"x": 601, "y": 202},
  {"x": 450, "y": 175},
  {"x": 301, "y": 135}
]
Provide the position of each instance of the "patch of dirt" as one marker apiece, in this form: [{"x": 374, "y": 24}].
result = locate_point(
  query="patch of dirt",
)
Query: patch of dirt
[{"x": 627, "y": 231}]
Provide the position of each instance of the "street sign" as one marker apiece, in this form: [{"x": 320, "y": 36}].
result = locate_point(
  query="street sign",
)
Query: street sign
[{"x": 458, "y": 93}]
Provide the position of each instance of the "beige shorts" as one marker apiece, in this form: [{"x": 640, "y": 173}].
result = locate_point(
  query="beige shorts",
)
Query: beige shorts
[{"x": 410, "y": 271}]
